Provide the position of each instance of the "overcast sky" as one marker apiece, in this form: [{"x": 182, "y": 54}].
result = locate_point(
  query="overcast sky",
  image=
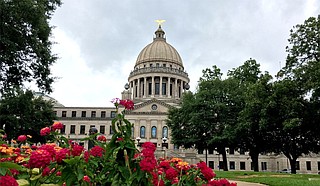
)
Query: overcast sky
[{"x": 98, "y": 41}]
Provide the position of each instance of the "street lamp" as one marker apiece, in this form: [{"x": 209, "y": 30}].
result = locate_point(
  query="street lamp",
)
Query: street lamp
[
  {"x": 164, "y": 145},
  {"x": 138, "y": 140},
  {"x": 206, "y": 153}
]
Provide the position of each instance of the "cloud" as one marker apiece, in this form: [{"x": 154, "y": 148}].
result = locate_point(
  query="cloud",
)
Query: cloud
[{"x": 99, "y": 41}]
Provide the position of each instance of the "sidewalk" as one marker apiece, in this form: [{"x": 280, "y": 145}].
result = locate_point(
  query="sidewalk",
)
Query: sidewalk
[{"x": 242, "y": 183}]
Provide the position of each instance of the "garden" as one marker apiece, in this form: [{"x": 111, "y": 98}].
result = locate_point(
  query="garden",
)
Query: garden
[{"x": 118, "y": 161}]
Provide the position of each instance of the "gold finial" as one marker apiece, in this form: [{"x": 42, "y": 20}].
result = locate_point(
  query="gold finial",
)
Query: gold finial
[{"x": 160, "y": 21}]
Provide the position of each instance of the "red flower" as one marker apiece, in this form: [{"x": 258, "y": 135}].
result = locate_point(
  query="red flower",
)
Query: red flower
[
  {"x": 148, "y": 164},
  {"x": 102, "y": 138},
  {"x": 62, "y": 154},
  {"x": 46, "y": 171},
  {"x": 39, "y": 159},
  {"x": 86, "y": 178},
  {"x": 8, "y": 181},
  {"x": 58, "y": 173},
  {"x": 171, "y": 173},
  {"x": 45, "y": 131},
  {"x": 97, "y": 151},
  {"x": 57, "y": 125},
  {"x": 49, "y": 148},
  {"x": 22, "y": 138},
  {"x": 86, "y": 156},
  {"x": 149, "y": 146},
  {"x": 119, "y": 139},
  {"x": 127, "y": 103},
  {"x": 208, "y": 173},
  {"x": 76, "y": 150}
]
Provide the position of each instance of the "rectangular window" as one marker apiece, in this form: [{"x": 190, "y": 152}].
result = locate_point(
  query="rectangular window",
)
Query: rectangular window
[
  {"x": 63, "y": 130},
  {"x": 231, "y": 150},
  {"x": 93, "y": 114},
  {"x": 211, "y": 164},
  {"x": 221, "y": 165},
  {"x": 157, "y": 89},
  {"x": 318, "y": 165},
  {"x": 81, "y": 143},
  {"x": 308, "y": 164},
  {"x": 103, "y": 114},
  {"x": 102, "y": 129},
  {"x": 170, "y": 89},
  {"x": 164, "y": 89},
  {"x": 82, "y": 129},
  {"x": 110, "y": 131},
  {"x": 232, "y": 165},
  {"x": 264, "y": 166},
  {"x": 297, "y": 165},
  {"x": 72, "y": 129},
  {"x": 242, "y": 165},
  {"x": 157, "y": 64},
  {"x": 64, "y": 114},
  {"x": 92, "y": 126},
  {"x": 150, "y": 65},
  {"x": 74, "y": 114},
  {"x": 83, "y": 114},
  {"x": 113, "y": 114},
  {"x": 164, "y": 65},
  {"x": 150, "y": 88},
  {"x": 55, "y": 113},
  {"x": 200, "y": 151}
]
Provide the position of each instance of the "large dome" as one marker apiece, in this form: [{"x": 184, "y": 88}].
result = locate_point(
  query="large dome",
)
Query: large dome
[{"x": 159, "y": 51}]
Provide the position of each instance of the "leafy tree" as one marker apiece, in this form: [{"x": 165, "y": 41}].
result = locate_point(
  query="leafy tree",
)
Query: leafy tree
[
  {"x": 254, "y": 91},
  {"x": 23, "y": 113},
  {"x": 303, "y": 60},
  {"x": 297, "y": 129},
  {"x": 25, "y": 46}
]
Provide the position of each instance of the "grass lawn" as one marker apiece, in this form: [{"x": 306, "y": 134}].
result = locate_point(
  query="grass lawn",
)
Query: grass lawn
[{"x": 271, "y": 178}]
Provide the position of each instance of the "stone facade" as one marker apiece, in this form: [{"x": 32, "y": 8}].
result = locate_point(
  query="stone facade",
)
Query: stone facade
[{"x": 155, "y": 84}]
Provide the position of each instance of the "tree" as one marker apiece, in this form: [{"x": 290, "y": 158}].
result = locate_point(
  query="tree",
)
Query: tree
[
  {"x": 23, "y": 113},
  {"x": 254, "y": 92},
  {"x": 25, "y": 46},
  {"x": 303, "y": 60}
]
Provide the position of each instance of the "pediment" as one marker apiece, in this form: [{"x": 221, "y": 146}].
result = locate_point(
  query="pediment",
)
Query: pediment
[{"x": 153, "y": 106}]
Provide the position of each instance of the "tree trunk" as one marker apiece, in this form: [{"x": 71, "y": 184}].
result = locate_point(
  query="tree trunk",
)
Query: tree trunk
[
  {"x": 225, "y": 161},
  {"x": 293, "y": 162},
  {"x": 255, "y": 160},
  {"x": 222, "y": 151}
]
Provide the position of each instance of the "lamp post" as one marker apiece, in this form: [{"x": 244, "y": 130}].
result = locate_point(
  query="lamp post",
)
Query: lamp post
[
  {"x": 164, "y": 146},
  {"x": 206, "y": 153},
  {"x": 138, "y": 140}
]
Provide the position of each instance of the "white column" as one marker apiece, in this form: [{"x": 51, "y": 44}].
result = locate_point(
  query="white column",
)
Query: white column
[
  {"x": 138, "y": 92},
  {"x": 168, "y": 89},
  {"x": 181, "y": 87},
  {"x": 152, "y": 87},
  {"x": 134, "y": 88},
  {"x": 176, "y": 88},
  {"x": 145, "y": 87}
]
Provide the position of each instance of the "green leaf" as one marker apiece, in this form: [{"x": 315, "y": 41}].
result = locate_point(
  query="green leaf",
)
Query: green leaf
[
  {"x": 23, "y": 182},
  {"x": 10, "y": 165}
]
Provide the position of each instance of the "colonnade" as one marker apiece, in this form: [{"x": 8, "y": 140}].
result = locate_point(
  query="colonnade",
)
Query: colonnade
[{"x": 157, "y": 86}]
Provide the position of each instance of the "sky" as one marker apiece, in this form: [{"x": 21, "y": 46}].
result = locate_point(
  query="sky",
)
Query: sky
[{"x": 98, "y": 41}]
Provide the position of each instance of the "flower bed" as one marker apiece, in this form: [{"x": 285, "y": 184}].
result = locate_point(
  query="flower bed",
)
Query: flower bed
[{"x": 115, "y": 162}]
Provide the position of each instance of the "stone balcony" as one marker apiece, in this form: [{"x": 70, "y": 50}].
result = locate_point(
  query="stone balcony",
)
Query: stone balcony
[{"x": 169, "y": 70}]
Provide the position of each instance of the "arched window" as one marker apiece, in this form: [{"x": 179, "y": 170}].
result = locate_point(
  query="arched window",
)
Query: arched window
[
  {"x": 153, "y": 132},
  {"x": 142, "y": 132},
  {"x": 165, "y": 132}
]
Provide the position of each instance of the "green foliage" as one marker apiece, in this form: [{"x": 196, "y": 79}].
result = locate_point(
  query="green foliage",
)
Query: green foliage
[
  {"x": 22, "y": 113},
  {"x": 25, "y": 46}
]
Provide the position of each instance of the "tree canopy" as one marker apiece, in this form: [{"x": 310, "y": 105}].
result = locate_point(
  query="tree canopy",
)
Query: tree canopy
[
  {"x": 24, "y": 114},
  {"x": 25, "y": 45}
]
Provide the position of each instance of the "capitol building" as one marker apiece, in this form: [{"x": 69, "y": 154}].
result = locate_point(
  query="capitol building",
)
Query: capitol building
[{"x": 155, "y": 84}]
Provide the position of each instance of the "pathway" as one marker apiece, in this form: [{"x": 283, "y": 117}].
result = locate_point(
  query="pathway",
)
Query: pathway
[{"x": 242, "y": 183}]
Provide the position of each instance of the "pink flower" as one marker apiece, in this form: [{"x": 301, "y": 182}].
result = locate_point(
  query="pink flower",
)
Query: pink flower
[
  {"x": 39, "y": 159},
  {"x": 127, "y": 103},
  {"x": 171, "y": 173},
  {"x": 8, "y": 181},
  {"x": 97, "y": 151},
  {"x": 22, "y": 138},
  {"x": 45, "y": 131},
  {"x": 62, "y": 154},
  {"x": 86, "y": 178},
  {"x": 102, "y": 138},
  {"x": 86, "y": 156},
  {"x": 57, "y": 125},
  {"x": 76, "y": 150}
]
